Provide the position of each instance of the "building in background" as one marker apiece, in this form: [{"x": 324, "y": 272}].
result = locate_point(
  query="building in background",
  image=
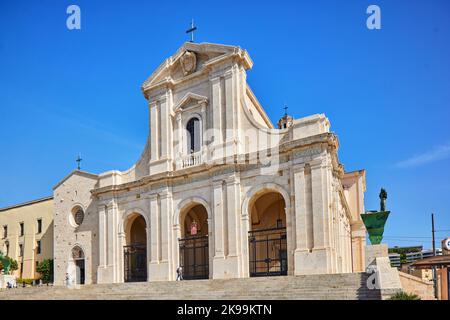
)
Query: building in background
[
  {"x": 414, "y": 256},
  {"x": 400, "y": 256},
  {"x": 395, "y": 260},
  {"x": 27, "y": 234},
  {"x": 442, "y": 265}
]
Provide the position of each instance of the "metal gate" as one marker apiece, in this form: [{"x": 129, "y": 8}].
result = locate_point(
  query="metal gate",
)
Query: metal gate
[
  {"x": 135, "y": 260},
  {"x": 194, "y": 257},
  {"x": 268, "y": 252},
  {"x": 80, "y": 271}
]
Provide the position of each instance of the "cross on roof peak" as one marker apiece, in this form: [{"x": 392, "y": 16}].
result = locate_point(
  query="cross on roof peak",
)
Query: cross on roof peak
[
  {"x": 285, "y": 109},
  {"x": 78, "y": 162},
  {"x": 191, "y": 30}
]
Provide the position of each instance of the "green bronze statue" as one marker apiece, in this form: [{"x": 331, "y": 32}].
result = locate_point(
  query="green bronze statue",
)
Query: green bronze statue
[
  {"x": 383, "y": 197},
  {"x": 374, "y": 221},
  {"x": 5, "y": 262}
]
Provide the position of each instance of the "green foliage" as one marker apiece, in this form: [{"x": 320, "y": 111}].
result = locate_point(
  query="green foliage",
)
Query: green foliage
[
  {"x": 13, "y": 265},
  {"x": 45, "y": 268},
  {"x": 403, "y": 258},
  {"x": 405, "y": 250},
  {"x": 404, "y": 296},
  {"x": 21, "y": 281}
]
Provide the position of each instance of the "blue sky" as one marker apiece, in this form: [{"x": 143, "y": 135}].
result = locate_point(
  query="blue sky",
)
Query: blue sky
[{"x": 386, "y": 92}]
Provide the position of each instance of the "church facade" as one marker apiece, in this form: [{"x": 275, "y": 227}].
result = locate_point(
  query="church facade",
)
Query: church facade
[{"x": 217, "y": 193}]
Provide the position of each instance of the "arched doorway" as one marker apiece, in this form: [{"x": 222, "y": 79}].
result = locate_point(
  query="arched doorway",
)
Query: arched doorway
[
  {"x": 267, "y": 235},
  {"x": 79, "y": 262},
  {"x": 193, "y": 244},
  {"x": 135, "y": 250}
]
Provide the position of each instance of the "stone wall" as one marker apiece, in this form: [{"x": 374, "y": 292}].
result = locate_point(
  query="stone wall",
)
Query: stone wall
[{"x": 415, "y": 285}]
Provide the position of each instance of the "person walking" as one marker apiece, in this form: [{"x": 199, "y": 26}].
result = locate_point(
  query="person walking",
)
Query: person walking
[{"x": 179, "y": 273}]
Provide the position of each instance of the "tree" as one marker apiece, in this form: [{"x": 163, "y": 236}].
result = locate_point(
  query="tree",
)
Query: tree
[
  {"x": 13, "y": 264},
  {"x": 45, "y": 268}
]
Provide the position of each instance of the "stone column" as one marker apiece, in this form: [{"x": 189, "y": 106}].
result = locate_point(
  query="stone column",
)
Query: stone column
[
  {"x": 148, "y": 232},
  {"x": 320, "y": 187},
  {"x": 217, "y": 211},
  {"x": 104, "y": 272},
  {"x": 218, "y": 219},
  {"x": 245, "y": 223},
  {"x": 233, "y": 197},
  {"x": 176, "y": 234},
  {"x": 204, "y": 129},
  {"x": 180, "y": 135},
  {"x": 165, "y": 268},
  {"x": 154, "y": 133},
  {"x": 112, "y": 240},
  {"x": 154, "y": 229},
  {"x": 358, "y": 236},
  {"x": 166, "y": 126},
  {"x": 218, "y": 114},
  {"x": 161, "y": 134},
  {"x": 230, "y": 114},
  {"x": 160, "y": 233},
  {"x": 301, "y": 226},
  {"x": 120, "y": 269}
]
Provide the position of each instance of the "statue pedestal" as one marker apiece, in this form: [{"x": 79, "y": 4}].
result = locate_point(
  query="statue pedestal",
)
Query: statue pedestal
[
  {"x": 5, "y": 278},
  {"x": 387, "y": 278},
  {"x": 376, "y": 251}
]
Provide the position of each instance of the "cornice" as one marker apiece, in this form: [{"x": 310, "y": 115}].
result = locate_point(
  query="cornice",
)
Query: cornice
[{"x": 170, "y": 176}]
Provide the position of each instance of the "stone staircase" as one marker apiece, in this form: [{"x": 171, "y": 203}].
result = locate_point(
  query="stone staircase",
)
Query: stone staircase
[{"x": 350, "y": 286}]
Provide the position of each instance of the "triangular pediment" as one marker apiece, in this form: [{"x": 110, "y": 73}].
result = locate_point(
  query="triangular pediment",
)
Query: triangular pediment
[
  {"x": 76, "y": 173},
  {"x": 190, "y": 99},
  {"x": 192, "y": 58}
]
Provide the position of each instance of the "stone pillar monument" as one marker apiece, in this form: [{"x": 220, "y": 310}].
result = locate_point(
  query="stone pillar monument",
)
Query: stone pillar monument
[{"x": 386, "y": 277}]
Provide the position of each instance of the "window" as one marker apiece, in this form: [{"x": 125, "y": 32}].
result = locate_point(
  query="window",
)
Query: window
[
  {"x": 39, "y": 225},
  {"x": 20, "y": 250},
  {"x": 37, "y": 264},
  {"x": 5, "y": 232},
  {"x": 38, "y": 247},
  {"x": 7, "y": 248},
  {"x": 79, "y": 216},
  {"x": 76, "y": 216},
  {"x": 21, "y": 229},
  {"x": 193, "y": 135}
]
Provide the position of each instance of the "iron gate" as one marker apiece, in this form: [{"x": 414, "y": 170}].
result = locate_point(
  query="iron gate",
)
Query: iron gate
[
  {"x": 268, "y": 252},
  {"x": 135, "y": 260},
  {"x": 194, "y": 257},
  {"x": 80, "y": 271}
]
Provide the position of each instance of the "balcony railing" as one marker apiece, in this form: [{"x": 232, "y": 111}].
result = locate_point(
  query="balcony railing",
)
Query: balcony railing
[{"x": 190, "y": 160}]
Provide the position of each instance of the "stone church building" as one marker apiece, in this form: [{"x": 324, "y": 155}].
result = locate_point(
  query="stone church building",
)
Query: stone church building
[{"x": 218, "y": 190}]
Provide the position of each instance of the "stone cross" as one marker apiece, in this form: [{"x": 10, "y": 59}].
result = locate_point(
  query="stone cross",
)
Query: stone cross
[
  {"x": 285, "y": 110},
  {"x": 78, "y": 162},
  {"x": 191, "y": 30}
]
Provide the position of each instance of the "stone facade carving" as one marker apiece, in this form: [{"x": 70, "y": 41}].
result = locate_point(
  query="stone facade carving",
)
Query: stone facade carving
[{"x": 188, "y": 62}]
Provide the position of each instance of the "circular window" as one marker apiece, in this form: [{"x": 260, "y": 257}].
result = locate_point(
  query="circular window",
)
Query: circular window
[{"x": 77, "y": 217}]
